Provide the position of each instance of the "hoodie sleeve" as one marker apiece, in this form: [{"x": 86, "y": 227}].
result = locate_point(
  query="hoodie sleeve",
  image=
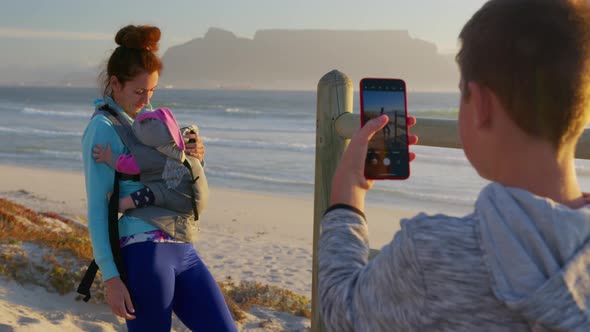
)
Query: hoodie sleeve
[
  {"x": 385, "y": 294},
  {"x": 99, "y": 178}
]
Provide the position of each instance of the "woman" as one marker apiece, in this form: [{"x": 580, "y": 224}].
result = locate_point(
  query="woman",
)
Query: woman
[{"x": 164, "y": 274}]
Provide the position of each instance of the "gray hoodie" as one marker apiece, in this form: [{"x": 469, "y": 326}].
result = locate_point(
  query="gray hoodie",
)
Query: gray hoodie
[{"x": 519, "y": 262}]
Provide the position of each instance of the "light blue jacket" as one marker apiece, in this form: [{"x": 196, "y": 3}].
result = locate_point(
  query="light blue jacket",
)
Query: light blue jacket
[{"x": 99, "y": 179}]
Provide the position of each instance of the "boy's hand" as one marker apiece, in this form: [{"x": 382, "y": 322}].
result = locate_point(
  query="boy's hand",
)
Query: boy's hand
[
  {"x": 349, "y": 185},
  {"x": 102, "y": 154}
]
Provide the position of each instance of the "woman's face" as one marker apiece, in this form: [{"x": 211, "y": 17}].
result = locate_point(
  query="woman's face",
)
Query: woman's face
[{"x": 133, "y": 95}]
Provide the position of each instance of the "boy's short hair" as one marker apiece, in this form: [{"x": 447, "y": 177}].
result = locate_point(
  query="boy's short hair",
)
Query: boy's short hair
[{"x": 535, "y": 56}]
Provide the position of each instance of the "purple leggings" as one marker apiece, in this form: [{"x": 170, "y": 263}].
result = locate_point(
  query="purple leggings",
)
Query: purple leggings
[{"x": 166, "y": 277}]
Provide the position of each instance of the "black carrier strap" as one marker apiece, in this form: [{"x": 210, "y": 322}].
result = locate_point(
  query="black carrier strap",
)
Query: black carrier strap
[
  {"x": 187, "y": 164},
  {"x": 86, "y": 283},
  {"x": 111, "y": 111},
  {"x": 114, "y": 229}
]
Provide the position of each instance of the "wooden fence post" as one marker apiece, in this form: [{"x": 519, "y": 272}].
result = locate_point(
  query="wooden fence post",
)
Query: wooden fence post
[{"x": 334, "y": 98}]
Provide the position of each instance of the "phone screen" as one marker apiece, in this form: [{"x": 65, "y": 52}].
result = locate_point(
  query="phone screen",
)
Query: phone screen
[{"x": 387, "y": 155}]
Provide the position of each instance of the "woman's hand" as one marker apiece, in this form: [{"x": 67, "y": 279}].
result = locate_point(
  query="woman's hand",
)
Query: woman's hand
[
  {"x": 196, "y": 149},
  {"x": 118, "y": 298},
  {"x": 349, "y": 185}
]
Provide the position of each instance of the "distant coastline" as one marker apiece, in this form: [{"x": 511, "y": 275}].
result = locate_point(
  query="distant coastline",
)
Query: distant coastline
[
  {"x": 213, "y": 88},
  {"x": 274, "y": 59}
]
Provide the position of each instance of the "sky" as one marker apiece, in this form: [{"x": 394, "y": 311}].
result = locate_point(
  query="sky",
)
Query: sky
[{"x": 45, "y": 35}]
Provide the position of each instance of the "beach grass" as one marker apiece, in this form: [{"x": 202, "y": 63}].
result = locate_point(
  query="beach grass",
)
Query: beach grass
[
  {"x": 48, "y": 250},
  {"x": 252, "y": 293}
]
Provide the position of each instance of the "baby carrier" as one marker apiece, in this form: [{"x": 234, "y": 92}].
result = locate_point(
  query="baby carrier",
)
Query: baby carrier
[{"x": 152, "y": 164}]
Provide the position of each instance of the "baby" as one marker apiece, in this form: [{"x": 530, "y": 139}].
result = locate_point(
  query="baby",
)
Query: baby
[{"x": 181, "y": 184}]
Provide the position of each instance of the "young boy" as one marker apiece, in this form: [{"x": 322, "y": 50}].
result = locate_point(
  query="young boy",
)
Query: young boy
[{"x": 521, "y": 260}]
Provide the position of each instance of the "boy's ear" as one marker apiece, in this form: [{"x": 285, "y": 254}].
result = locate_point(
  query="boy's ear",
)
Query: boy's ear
[{"x": 481, "y": 99}]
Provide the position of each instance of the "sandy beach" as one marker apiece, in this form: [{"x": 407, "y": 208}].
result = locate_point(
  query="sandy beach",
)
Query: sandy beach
[{"x": 247, "y": 236}]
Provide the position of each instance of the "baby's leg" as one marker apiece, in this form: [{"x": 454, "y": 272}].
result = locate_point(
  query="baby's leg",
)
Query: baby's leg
[
  {"x": 138, "y": 199},
  {"x": 126, "y": 203}
]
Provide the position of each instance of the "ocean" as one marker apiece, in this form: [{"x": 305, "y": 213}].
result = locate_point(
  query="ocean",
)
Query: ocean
[{"x": 261, "y": 141}]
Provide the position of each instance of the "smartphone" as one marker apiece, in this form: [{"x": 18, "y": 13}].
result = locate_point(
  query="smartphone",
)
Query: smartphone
[{"x": 388, "y": 155}]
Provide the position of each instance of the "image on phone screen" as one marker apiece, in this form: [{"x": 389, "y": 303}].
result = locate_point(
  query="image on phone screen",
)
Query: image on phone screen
[{"x": 387, "y": 155}]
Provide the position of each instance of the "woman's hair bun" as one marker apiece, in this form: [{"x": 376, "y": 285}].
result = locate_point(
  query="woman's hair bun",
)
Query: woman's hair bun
[{"x": 139, "y": 37}]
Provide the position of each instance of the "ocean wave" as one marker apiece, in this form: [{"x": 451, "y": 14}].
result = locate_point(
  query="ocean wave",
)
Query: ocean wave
[
  {"x": 69, "y": 155},
  {"x": 425, "y": 196},
  {"x": 47, "y": 112},
  {"x": 241, "y": 112},
  {"x": 290, "y": 129},
  {"x": 12, "y": 156},
  {"x": 225, "y": 174},
  {"x": 186, "y": 107},
  {"x": 39, "y": 132},
  {"x": 236, "y": 110},
  {"x": 450, "y": 113},
  {"x": 39, "y": 153},
  {"x": 265, "y": 113},
  {"x": 438, "y": 155},
  {"x": 439, "y": 159},
  {"x": 582, "y": 171},
  {"x": 283, "y": 146}
]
